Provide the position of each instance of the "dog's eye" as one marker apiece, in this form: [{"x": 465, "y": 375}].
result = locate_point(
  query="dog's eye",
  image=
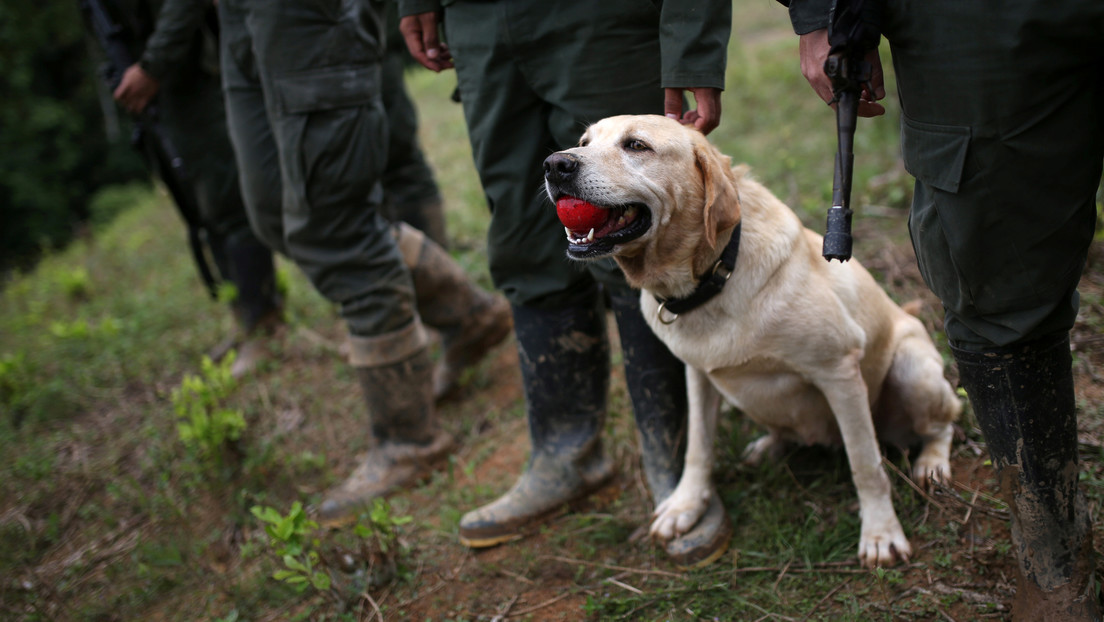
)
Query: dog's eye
[
  {"x": 635, "y": 144},
  {"x": 583, "y": 142}
]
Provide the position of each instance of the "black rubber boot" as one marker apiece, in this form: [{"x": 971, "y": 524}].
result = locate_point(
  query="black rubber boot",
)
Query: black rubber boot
[
  {"x": 1023, "y": 399},
  {"x": 408, "y": 442},
  {"x": 471, "y": 321},
  {"x": 258, "y": 310},
  {"x": 564, "y": 357},
  {"x": 656, "y": 380}
]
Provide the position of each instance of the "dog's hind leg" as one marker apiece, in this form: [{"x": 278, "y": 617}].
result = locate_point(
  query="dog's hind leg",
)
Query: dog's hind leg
[
  {"x": 770, "y": 445},
  {"x": 915, "y": 385}
]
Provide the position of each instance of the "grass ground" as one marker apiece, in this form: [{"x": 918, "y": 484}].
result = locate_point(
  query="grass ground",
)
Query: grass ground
[{"x": 107, "y": 514}]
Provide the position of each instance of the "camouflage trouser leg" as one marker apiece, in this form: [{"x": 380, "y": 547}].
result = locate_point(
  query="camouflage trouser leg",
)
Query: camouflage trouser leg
[{"x": 323, "y": 113}]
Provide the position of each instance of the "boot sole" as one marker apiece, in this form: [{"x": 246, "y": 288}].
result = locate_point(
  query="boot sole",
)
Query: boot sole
[{"x": 518, "y": 531}]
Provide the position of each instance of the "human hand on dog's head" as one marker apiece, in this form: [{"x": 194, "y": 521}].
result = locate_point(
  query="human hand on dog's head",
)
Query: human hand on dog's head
[{"x": 706, "y": 117}]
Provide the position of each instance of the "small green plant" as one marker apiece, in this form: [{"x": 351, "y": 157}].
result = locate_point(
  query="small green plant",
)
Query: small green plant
[
  {"x": 83, "y": 329},
  {"x": 886, "y": 577},
  {"x": 380, "y": 526},
  {"x": 74, "y": 283},
  {"x": 204, "y": 425},
  {"x": 291, "y": 537},
  {"x": 227, "y": 292},
  {"x": 15, "y": 379}
]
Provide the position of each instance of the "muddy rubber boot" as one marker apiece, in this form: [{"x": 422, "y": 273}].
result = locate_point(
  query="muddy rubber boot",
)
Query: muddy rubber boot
[
  {"x": 656, "y": 380},
  {"x": 470, "y": 320},
  {"x": 1023, "y": 399},
  {"x": 564, "y": 356},
  {"x": 258, "y": 310},
  {"x": 408, "y": 443}
]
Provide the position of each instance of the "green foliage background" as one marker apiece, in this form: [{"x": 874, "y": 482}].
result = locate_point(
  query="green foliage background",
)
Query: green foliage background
[{"x": 54, "y": 149}]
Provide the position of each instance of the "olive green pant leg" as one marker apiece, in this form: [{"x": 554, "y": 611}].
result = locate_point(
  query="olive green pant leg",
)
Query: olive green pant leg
[
  {"x": 249, "y": 128},
  {"x": 408, "y": 180},
  {"x": 330, "y": 131},
  {"x": 1003, "y": 212},
  {"x": 194, "y": 116},
  {"x": 526, "y": 94}
]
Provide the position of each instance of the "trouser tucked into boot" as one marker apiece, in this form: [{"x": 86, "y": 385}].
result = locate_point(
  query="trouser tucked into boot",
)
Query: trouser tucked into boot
[
  {"x": 564, "y": 356},
  {"x": 471, "y": 321},
  {"x": 395, "y": 372},
  {"x": 656, "y": 380},
  {"x": 1023, "y": 398}
]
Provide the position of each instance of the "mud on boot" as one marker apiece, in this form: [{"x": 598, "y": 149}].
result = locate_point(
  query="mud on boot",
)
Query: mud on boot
[
  {"x": 470, "y": 320},
  {"x": 656, "y": 380},
  {"x": 1023, "y": 398},
  {"x": 564, "y": 357},
  {"x": 408, "y": 444}
]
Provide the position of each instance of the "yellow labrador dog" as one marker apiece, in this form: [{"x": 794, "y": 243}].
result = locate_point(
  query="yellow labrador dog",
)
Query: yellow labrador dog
[{"x": 813, "y": 351}]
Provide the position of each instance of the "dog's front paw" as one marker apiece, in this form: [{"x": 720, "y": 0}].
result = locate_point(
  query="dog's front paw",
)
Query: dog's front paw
[
  {"x": 680, "y": 512},
  {"x": 883, "y": 546}
]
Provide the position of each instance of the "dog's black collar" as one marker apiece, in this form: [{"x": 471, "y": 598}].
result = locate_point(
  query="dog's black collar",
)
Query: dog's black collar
[{"x": 709, "y": 285}]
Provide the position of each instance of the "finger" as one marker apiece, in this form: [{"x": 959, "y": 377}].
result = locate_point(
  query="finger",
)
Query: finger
[
  {"x": 709, "y": 110},
  {"x": 430, "y": 41},
  {"x": 672, "y": 103},
  {"x": 870, "y": 109},
  {"x": 877, "y": 78},
  {"x": 411, "y": 28}
]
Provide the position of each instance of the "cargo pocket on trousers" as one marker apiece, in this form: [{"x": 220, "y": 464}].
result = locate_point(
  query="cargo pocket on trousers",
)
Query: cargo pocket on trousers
[
  {"x": 335, "y": 133},
  {"x": 936, "y": 156}
]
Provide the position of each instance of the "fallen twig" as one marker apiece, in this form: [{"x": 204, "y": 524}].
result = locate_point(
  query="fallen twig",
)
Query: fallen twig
[
  {"x": 546, "y": 603},
  {"x": 625, "y": 586}
]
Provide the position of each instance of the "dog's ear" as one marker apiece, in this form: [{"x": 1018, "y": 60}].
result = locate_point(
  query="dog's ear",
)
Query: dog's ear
[{"x": 722, "y": 200}]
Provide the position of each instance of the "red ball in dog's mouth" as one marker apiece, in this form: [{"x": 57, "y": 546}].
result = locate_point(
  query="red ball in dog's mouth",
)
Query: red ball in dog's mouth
[{"x": 581, "y": 216}]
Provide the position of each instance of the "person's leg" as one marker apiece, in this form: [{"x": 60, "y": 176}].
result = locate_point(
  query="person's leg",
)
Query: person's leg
[
  {"x": 556, "y": 85},
  {"x": 583, "y": 91},
  {"x": 193, "y": 113},
  {"x": 328, "y": 125},
  {"x": 559, "y": 322},
  {"x": 470, "y": 320},
  {"x": 1002, "y": 216},
  {"x": 409, "y": 185}
]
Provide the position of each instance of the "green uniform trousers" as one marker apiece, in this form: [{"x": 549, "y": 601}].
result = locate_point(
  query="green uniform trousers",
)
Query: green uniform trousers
[
  {"x": 302, "y": 83},
  {"x": 529, "y": 91},
  {"x": 1003, "y": 128},
  {"x": 408, "y": 180},
  {"x": 177, "y": 52}
]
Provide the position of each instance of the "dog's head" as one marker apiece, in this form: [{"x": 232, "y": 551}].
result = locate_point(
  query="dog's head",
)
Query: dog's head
[{"x": 645, "y": 189}]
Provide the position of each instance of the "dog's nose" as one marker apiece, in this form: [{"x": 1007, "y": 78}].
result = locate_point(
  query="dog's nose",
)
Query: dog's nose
[{"x": 560, "y": 166}]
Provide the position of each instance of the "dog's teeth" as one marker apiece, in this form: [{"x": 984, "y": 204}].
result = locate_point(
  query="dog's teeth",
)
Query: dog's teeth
[
  {"x": 590, "y": 236},
  {"x": 568, "y": 232}
]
